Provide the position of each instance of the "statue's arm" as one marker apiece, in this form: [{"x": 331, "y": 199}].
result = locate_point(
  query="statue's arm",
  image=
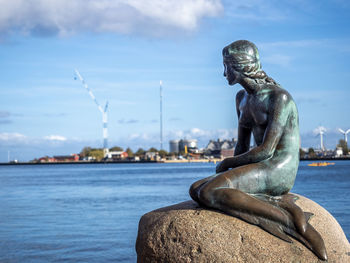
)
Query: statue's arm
[
  {"x": 244, "y": 133},
  {"x": 278, "y": 116},
  {"x": 243, "y": 141}
]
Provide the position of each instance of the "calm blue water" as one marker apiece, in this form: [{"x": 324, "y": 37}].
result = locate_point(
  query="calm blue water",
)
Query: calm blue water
[{"x": 90, "y": 213}]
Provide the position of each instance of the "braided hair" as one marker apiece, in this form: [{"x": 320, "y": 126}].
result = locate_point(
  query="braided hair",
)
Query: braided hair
[{"x": 243, "y": 56}]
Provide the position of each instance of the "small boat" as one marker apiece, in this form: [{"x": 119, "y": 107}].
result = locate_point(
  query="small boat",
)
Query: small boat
[{"x": 320, "y": 164}]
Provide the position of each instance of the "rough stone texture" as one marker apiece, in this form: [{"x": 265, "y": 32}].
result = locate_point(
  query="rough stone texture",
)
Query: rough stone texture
[{"x": 188, "y": 233}]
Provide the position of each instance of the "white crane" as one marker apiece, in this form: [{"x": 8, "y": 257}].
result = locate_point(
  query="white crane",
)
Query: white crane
[
  {"x": 103, "y": 111},
  {"x": 321, "y": 130},
  {"x": 345, "y": 134}
]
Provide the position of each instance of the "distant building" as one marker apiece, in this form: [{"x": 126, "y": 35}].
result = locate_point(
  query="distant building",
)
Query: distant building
[
  {"x": 88, "y": 158},
  {"x": 324, "y": 153},
  {"x": 134, "y": 158},
  {"x": 174, "y": 146},
  {"x": 58, "y": 159},
  {"x": 46, "y": 159},
  {"x": 190, "y": 144},
  {"x": 227, "y": 153},
  {"x": 220, "y": 148},
  {"x": 152, "y": 156},
  {"x": 66, "y": 158},
  {"x": 117, "y": 155},
  {"x": 338, "y": 151}
]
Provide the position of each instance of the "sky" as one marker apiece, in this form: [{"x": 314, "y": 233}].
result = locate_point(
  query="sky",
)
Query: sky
[{"x": 123, "y": 48}]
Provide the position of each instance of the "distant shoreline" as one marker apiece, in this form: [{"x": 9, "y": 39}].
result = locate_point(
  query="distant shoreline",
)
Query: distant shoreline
[
  {"x": 79, "y": 162},
  {"x": 167, "y": 161}
]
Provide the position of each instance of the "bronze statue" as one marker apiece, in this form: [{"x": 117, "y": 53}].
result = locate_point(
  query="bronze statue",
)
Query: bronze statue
[{"x": 253, "y": 184}]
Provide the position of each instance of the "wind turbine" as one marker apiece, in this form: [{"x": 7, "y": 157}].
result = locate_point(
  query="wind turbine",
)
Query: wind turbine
[
  {"x": 321, "y": 130},
  {"x": 345, "y": 134},
  {"x": 103, "y": 111}
]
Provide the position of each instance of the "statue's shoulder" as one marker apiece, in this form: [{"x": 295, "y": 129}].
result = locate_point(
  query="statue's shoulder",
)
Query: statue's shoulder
[
  {"x": 240, "y": 94},
  {"x": 285, "y": 100},
  {"x": 281, "y": 93}
]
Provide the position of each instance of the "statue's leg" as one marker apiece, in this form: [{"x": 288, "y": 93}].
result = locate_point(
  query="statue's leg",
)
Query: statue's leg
[
  {"x": 228, "y": 192},
  {"x": 231, "y": 200},
  {"x": 232, "y": 192},
  {"x": 194, "y": 189}
]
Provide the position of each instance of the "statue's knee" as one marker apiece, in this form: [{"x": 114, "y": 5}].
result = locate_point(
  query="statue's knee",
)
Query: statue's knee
[
  {"x": 206, "y": 195},
  {"x": 193, "y": 193},
  {"x": 193, "y": 187}
]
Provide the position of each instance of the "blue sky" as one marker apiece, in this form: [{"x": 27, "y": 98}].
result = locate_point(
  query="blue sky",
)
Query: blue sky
[{"x": 124, "y": 47}]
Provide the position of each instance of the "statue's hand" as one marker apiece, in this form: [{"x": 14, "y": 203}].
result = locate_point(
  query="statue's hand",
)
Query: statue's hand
[{"x": 222, "y": 166}]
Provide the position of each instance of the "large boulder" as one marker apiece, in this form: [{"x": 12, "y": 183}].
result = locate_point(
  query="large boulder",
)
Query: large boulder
[{"x": 186, "y": 232}]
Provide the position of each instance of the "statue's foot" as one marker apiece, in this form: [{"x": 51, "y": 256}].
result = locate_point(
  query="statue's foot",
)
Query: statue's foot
[
  {"x": 300, "y": 218},
  {"x": 296, "y": 225},
  {"x": 315, "y": 242}
]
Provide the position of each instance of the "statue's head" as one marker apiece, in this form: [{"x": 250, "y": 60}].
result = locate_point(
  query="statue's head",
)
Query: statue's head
[{"x": 243, "y": 56}]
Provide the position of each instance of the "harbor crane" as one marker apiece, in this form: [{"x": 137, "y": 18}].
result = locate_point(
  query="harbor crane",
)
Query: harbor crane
[{"x": 102, "y": 110}]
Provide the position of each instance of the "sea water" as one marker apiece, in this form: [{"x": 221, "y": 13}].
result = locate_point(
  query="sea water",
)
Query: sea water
[{"x": 90, "y": 212}]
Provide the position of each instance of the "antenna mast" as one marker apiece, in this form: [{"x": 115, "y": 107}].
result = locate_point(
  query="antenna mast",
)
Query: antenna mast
[
  {"x": 161, "y": 114},
  {"x": 103, "y": 111}
]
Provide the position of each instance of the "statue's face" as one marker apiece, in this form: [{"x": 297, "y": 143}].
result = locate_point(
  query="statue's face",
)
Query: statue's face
[{"x": 233, "y": 76}]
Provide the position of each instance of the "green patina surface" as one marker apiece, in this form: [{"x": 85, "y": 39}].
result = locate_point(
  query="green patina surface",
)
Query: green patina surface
[{"x": 245, "y": 184}]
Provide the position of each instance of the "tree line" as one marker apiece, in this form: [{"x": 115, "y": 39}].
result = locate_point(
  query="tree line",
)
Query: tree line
[
  {"x": 97, "y": 153},
  {"x": 312, "y": 154}
]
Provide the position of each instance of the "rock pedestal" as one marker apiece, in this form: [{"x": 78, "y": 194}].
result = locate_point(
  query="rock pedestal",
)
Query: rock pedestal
[{"x": 186, "y": 232}]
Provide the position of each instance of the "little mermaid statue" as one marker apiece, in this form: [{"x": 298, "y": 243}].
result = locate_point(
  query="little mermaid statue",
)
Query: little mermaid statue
[{"x": 253, "y": 185}]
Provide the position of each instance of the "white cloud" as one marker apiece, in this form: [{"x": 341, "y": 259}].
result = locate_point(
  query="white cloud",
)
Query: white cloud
[
  {"x": 302, "y": 43},
  {"x": 25, "y": 148},
  {"x": 16, "y": 137},
  {"x": 64, "y": 17},
  {"x": 254, "y": 10},
  {"x": 55, "y": 138},
  {"x": 319, "y": 129},
  {"x": 278, "y": 10},
  {"x": 7, "y": 137},
  {"x": 147, "y": 140},
  {"x": 278, "y": 59},
  {"x": 206, "y": 135},
  {"x": 4, "y": 114},
  {"x": 279, "y": 52}
]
